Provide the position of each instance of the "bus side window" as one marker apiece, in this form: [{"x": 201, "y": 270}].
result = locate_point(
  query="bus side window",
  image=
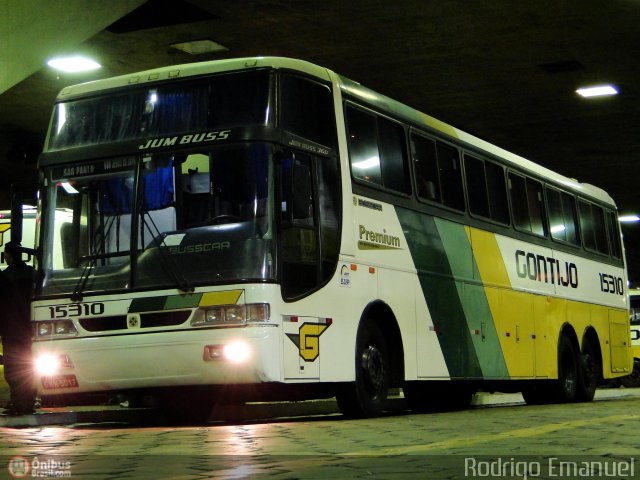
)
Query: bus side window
[
  {"x": 593, "y": 229},
  {"x": 526, "y": 204},
  {"x": 438, "y": 172},
  {"x": 377, "y": 149},
  {"x": 614, "y": 234},
  {"x": 486, "y": 188},
  {"x": 562, "y": 216},
  {"x": 363, "y": 146},
  {"x": 425, "y": 164},
  {"x": 450, "y": 176}
]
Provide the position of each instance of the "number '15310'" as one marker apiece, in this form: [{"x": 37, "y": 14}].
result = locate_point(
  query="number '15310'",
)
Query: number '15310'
[{"x": 76, "y": 310}]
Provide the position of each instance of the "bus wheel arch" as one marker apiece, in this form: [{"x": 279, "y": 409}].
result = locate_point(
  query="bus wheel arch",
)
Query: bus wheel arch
[
  {"x": 378, "y": 363},
  {"x": 384, "y": 317}
]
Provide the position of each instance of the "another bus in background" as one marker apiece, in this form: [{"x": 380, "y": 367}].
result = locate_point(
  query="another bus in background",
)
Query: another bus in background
[{"x": 633, "y": 380}]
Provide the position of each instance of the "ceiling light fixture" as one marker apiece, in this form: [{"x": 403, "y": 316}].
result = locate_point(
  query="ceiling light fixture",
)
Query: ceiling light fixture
[
  {"x": 73, "y": 64},
  {"x": 628, "y": 218},
  {"x": 198, "y": 47},
  {"x": 597, "y": 91}
]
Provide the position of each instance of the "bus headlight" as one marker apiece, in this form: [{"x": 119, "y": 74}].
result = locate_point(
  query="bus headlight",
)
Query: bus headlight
[
  {"x": 57, "y": 328},
  {"x": 49, "y": 364},
  {"x": 231, "y": 315},
  {"x": 237, "y": 351}
]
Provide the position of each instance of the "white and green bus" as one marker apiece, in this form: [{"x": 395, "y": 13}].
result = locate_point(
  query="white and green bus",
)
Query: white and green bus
[
  {"x": 633, "y": 380},
  {"x": 265, "y": 228}
]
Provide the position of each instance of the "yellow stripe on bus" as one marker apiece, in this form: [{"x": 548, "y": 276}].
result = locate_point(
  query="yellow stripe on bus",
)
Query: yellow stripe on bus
[
  {"x": 228, "y": 297},
  {"x": 512, "y": 311}
]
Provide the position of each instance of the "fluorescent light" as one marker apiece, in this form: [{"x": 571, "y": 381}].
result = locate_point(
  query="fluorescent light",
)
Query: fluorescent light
[
  {"x": 597, "y": 91},
  {"x": 558, "y": 228},
  {"x": 73, "y": 64},
  {"x": 629, "y": 218},
  {"x": 197, "y": 47}
]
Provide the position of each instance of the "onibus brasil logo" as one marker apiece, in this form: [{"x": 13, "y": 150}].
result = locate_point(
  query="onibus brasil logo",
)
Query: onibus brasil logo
[{"x": 21, "y": 467}]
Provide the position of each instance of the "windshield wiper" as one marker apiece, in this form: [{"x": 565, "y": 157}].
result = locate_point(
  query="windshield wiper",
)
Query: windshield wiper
[
  {"x": 96, "y": 253},
  {"x": 181, "y": 282}
]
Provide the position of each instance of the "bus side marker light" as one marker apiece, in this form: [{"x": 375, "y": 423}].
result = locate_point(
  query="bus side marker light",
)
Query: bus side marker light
[{"x": 212, "y": 352}]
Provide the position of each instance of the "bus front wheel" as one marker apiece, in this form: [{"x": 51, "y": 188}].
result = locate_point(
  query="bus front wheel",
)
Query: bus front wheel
[{"x": 367, "y": 395}]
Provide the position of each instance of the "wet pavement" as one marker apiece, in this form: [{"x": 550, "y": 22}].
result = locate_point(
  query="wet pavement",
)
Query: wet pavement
[{"x": 498, "y": 438}]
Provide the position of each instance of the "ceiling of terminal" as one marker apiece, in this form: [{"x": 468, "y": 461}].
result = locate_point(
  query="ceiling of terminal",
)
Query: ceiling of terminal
[{"x": 502, "y": 70}]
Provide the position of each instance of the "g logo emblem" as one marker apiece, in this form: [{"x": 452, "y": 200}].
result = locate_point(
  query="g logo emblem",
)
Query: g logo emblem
[{"x": 308, "y": 340}]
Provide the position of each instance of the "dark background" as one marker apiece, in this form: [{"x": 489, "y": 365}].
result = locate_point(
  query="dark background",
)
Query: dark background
[{"x": 503, "y": 70}]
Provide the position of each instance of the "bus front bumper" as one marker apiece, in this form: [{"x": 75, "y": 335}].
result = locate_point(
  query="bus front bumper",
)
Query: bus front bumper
[{"x": 158, "y": 359}]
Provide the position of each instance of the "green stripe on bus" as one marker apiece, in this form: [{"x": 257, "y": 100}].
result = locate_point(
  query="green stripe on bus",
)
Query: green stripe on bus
[
  {"x": 183, "y": 301},
  {"x": 474, "y": 301},
  {"x": 147, "y": 304},
  {"x": 171, "y": 302},
  {"x": 435, "y": 272}
]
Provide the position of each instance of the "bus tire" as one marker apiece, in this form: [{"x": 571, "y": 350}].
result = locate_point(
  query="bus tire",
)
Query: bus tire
[
  {"x": 566, "y": 386},
  {"x": 367, "y": 396},
  {"x": 588, "y": 372},
  {"x": 538, "y": 392},
  {"x": 633, "y": 379}
]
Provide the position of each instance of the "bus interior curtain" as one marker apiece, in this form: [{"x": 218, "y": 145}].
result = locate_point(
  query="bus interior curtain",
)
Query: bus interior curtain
[
  {"x": 158, "y": 188},
  {"x": 115, "y": 198}
]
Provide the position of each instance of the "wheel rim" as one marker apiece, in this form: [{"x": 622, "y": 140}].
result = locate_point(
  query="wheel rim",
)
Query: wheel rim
[{"x": 373, "y": 370}]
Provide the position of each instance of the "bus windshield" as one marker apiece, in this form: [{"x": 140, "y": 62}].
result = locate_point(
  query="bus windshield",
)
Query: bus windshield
[
  {"x": 198, "y": 217},
  {"x": 227, "y": 100}
]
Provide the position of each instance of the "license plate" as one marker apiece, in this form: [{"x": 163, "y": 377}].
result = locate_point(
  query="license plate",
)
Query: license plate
[{"x": 60, "y": 381}]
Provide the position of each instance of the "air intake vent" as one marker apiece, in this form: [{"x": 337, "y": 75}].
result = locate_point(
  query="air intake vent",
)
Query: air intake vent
[
  {"x": 164, "y": 319},
  {"x": 147, "y": 320},
  {"x": 104, "y": 324}
]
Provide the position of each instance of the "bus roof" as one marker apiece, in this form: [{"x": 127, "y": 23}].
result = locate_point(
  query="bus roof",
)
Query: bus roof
[
  {"x": 350, "y": 87},
  {"x": 176, "y": 72}
]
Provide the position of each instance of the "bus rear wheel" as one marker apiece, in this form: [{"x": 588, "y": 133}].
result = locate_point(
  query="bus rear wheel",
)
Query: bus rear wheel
[
  {"x": 566, "y": 387},
  {"x": 633, "y": 380},
  {"x": 367, "y": 396},
  {"x": 588, "y": 372}
]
